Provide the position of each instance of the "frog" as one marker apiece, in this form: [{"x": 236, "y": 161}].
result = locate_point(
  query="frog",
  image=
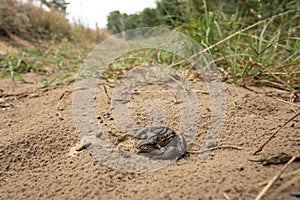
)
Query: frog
[{"x": 160, "y": 142}]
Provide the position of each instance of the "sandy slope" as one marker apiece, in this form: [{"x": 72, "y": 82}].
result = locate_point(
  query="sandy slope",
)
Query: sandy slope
[{"x": 35, "y": 145}]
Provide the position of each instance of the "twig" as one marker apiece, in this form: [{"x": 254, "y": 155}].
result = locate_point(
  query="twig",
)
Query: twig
[
  {"x": 273, "y": 135},
  {"x": 282, "y": 82},
  {"x": 57, "y": 113},
  {"x": 105, "y": 91},
  {"x": 215, "y": 148},
  {"x": 287, "y": 102},
  {"x": 282, "y": 176},
  {"x": 275, "y": 85},
  {"x": 284, "y": 186},
  {"x": 201, "y": 91},
  {"x": 226, "y": 196},
  {"x": 22, "y": 94},
  {"x": 272, "y": 181}
]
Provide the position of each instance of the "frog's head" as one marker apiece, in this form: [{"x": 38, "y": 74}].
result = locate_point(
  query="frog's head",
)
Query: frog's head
[{"x": 148, "y": 143}]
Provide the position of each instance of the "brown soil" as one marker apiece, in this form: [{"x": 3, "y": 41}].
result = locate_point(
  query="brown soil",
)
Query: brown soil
[{"x": 40, "y": 160}]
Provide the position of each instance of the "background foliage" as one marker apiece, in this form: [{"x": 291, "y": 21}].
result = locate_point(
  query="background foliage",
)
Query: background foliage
[
  {"x": 175, "y": 12},
  {"x": 250, "y": 41}
]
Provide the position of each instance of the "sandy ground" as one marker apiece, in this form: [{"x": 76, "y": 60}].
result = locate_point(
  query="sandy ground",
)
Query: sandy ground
[{"x": 38, "y": 159}]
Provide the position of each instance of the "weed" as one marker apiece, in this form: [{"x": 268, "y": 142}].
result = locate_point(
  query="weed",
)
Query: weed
[
  {"x": 14, "y": 64},
  {"x": 246, "y": 47},
  {"x": 265, "y": 50}
]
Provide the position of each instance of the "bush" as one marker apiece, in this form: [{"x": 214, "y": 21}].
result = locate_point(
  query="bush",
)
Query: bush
[{"x": 30, "y": 22}]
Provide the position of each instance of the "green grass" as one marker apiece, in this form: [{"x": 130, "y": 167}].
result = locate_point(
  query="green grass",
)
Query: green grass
[
  {"x": 121, "y": 65},
  {"x": 15, "y": 64},
  {"x": 245, "y": 51},
  {"x": 58, "y": 63},
  {"x": 43, "y": 42},
  {"x": 267, "y": 51}
]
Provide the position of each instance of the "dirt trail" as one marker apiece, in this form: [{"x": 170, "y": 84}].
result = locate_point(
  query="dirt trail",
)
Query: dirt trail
[{"x": 35, "y": 146}]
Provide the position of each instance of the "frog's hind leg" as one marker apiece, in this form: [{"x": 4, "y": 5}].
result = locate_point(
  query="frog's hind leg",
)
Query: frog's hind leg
[{"x": 174, "y": 150}]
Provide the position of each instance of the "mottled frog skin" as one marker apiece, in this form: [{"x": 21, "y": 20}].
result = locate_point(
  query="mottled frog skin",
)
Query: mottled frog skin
[{"x": 159, "y": 142}]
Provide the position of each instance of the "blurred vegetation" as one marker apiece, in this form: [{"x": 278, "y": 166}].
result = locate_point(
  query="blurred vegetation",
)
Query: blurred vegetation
[
  {"x": 43, "y": 41},
  {"x": 173, "y": 13},
  {"x": 32, "y": 23},
  {"x": 250, "y": 41},
  {"x": 60, "y": 5}
]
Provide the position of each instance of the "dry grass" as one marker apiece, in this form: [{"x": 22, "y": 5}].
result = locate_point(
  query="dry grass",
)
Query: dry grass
[
  {"x": 33, "y": 39},
  {"x": 34, "y": 23}
]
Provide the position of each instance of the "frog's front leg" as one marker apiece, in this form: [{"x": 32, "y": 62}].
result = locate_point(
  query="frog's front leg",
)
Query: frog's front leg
[{"x": 174, "y": 150}]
